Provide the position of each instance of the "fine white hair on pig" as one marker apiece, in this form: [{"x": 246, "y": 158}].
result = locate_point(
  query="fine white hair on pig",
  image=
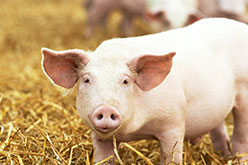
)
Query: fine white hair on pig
[{"x": 169, "y": 86}]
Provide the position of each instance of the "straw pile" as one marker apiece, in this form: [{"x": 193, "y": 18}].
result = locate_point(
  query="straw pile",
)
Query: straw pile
[{"x": 37, "y": 124}]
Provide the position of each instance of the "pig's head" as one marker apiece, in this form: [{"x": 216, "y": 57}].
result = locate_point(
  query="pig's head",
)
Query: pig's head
[
  {"x": 107, "y": 87},
  {"x": 170, "y": 21}
]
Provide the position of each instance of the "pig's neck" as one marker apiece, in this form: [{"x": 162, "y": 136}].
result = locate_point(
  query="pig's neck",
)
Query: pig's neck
[{"x": 135, "y": 123}]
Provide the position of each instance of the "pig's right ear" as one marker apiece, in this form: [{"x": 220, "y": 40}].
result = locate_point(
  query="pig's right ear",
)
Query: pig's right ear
[
  {"x": 192, "y": 18},
  {"x": 61, "y": 67},
  {"x": 151, "y": 70}
]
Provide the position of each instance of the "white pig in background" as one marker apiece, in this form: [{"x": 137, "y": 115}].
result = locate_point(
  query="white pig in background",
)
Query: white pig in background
[
  {"x": 168, "y": 86},
  {"x": 99, "y": 10}
]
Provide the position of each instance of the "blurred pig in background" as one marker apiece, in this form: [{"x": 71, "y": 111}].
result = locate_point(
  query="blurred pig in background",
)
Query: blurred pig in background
[
  {"x": 233, "y": 9},
  {"x": 162, "y": 15},
  {"x": 159, "y": 14},
  {"x": 178, "y": 13},
  {"x": 99, "y": 10},
  {"x": 170, "y": 13}
]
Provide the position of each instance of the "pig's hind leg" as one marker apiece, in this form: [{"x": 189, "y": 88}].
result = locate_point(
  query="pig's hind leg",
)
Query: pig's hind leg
[
  {"x": 220, "y": 139},
  {"x": 240, "y": 117}
]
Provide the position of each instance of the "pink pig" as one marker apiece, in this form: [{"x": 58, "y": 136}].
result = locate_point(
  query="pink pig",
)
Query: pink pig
[
  {"x": 168, "y": 86},
  {"x": 99, "y": 10}
]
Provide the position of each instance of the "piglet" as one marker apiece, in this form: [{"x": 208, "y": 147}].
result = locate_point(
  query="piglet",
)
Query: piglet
[{"x": 168, "y": 86}]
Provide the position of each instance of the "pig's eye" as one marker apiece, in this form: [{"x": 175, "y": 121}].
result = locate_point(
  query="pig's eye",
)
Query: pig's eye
[
  {"x": 86, "y": 80},
  {"x": 125, "y": 82}
]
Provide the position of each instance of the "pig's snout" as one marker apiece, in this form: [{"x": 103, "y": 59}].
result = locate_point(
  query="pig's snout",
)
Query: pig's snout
[{"x": 106, "y": 118}]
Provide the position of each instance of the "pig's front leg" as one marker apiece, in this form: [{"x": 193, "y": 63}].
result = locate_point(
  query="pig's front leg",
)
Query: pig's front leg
[
  {"x": 103, "y": 148},
  {"x": 171, "y": 145}
]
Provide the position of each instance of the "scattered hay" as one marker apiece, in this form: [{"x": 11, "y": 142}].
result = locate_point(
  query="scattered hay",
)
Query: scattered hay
[
  {"x": 37, "y": 124},
  {"x": 139, "y": 153}
]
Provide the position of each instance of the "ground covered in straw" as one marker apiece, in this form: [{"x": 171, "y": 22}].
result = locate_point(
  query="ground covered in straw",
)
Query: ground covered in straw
[{"x": 38, "y": 125}]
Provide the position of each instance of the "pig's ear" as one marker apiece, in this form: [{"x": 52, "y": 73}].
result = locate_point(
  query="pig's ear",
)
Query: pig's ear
[
  {"x": 157, "y": 16},
  {"x": 154, "y": 15},
  {"x": 151, "y": 70},
  {"x": 192, "y": 18},
  {"x": 61, "y": 67}
]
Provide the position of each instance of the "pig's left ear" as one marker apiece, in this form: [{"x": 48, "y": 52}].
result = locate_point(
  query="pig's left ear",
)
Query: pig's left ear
[
  {"x": 151, "y": 70},
  {"x": 61, "y": 67}
]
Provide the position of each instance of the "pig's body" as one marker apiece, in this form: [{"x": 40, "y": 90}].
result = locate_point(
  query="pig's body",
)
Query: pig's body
[
  {"x": 201, "y": 62},
  {"x": 209, "y": 76}
]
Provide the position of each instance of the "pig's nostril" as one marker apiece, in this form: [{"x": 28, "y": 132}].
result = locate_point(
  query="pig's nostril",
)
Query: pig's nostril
[
  {"x": 112, "y": 116},
  {"x": 100, "y": 116}
]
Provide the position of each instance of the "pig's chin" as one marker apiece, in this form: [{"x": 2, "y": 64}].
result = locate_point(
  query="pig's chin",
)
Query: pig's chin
[{"x": 105, "y": 133}]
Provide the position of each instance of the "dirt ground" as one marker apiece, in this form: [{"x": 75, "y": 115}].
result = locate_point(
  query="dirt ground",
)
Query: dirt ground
[{"x": 38, "y": 125}]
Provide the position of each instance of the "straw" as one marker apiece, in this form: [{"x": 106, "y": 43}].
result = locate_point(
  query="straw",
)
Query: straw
[
  {"x": 38, "y": 125},
  {"x": 139, "y": 153}
]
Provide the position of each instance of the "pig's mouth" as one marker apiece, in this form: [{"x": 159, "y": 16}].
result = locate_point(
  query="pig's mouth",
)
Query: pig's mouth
[{"x": 105, "y": 130}]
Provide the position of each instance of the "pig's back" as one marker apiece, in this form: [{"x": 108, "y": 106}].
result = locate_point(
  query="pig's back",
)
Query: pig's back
[
  {"x": 226, "y": 39},
  {"x": 210, "y": 33}
]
